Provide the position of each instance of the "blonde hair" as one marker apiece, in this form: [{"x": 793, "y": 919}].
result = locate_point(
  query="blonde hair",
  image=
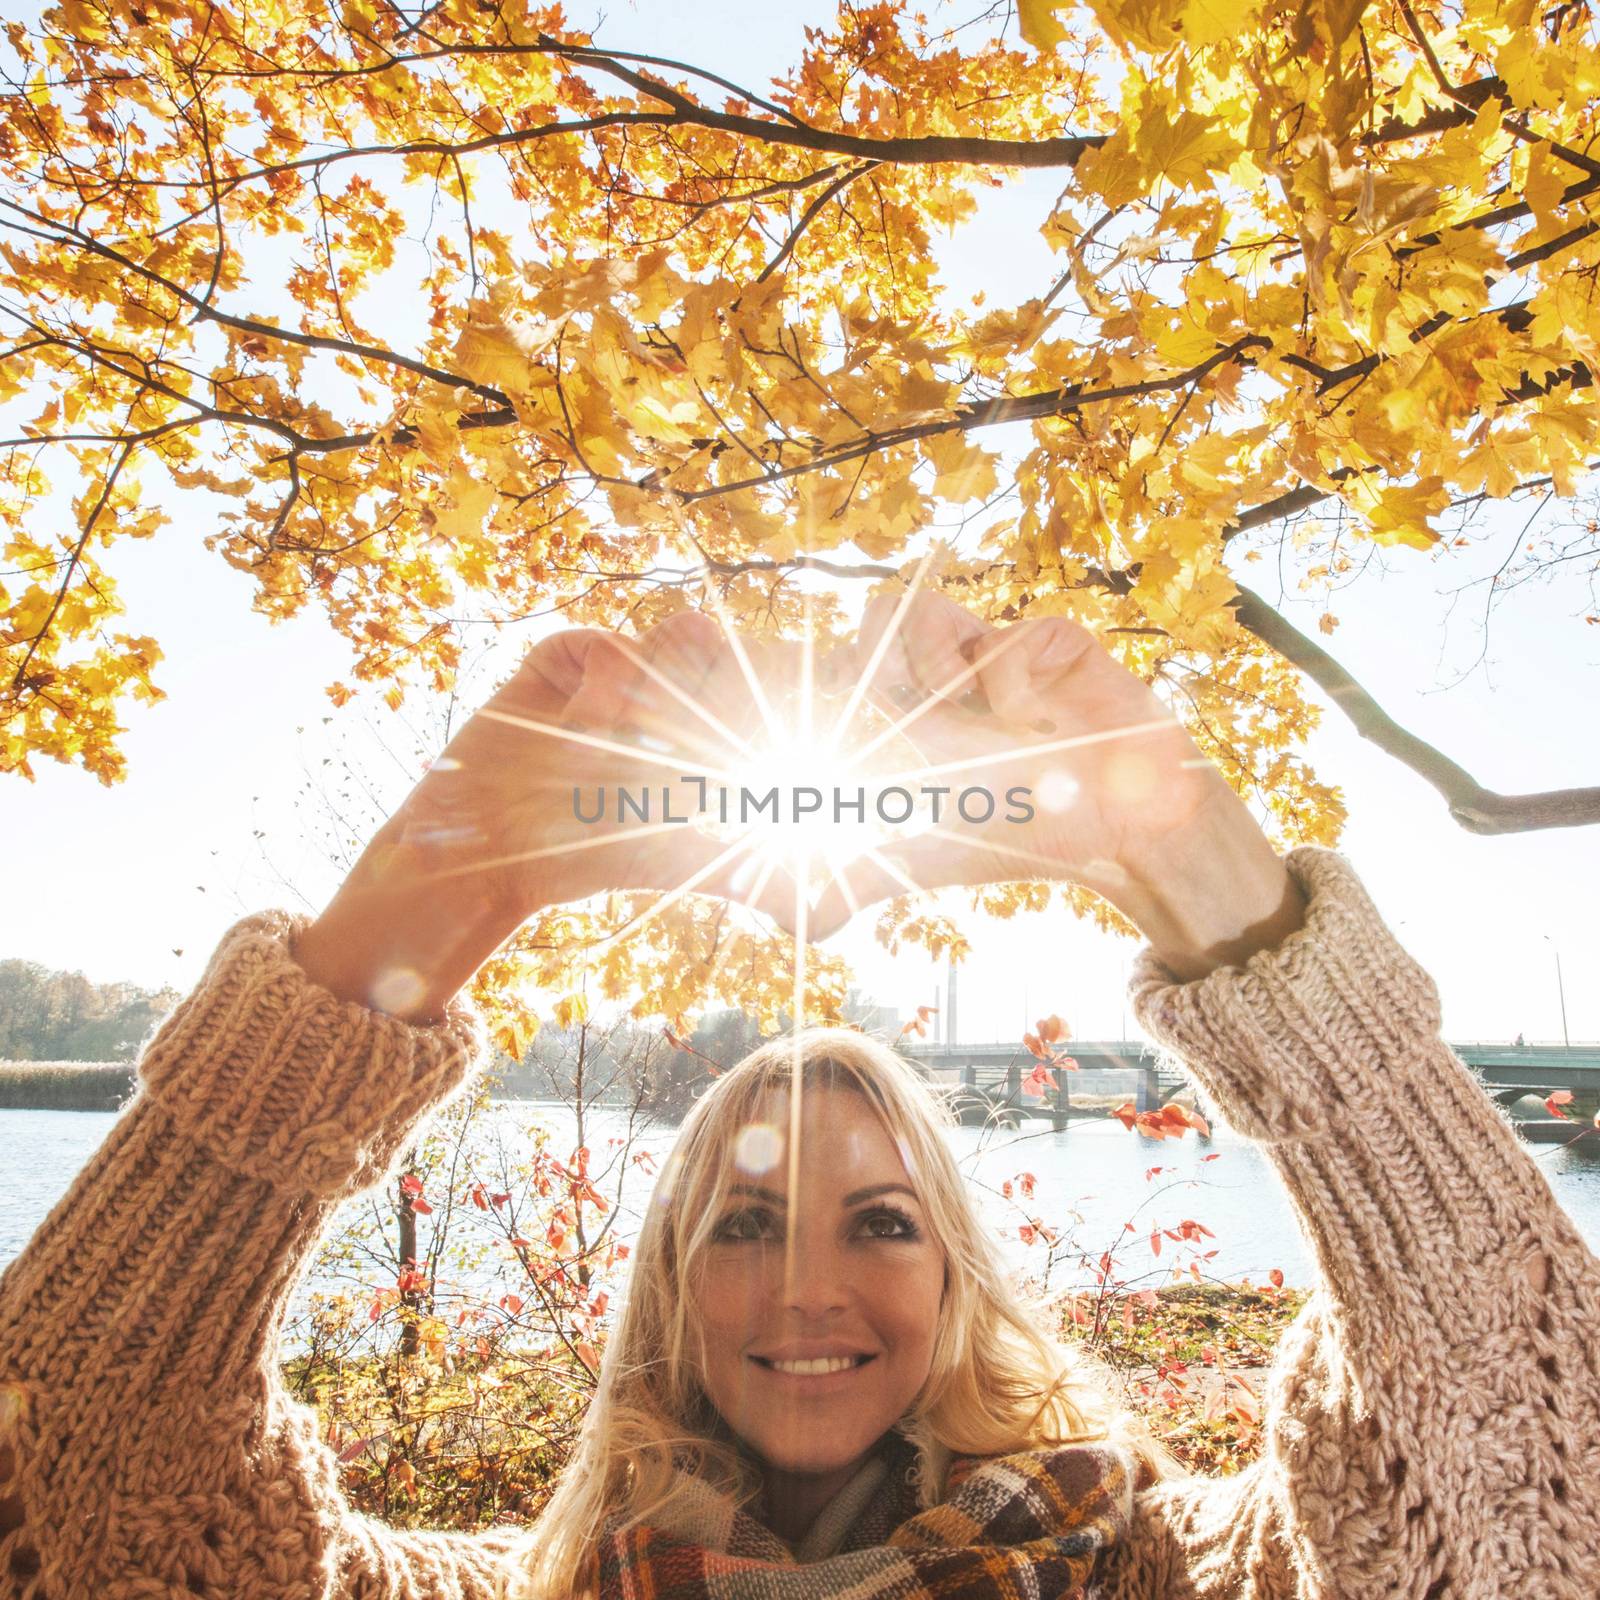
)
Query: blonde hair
[{"x": 997, "y": 1382}]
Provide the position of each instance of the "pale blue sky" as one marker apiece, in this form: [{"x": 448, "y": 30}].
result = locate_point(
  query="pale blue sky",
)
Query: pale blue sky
[{"x": 115, "y": 881}]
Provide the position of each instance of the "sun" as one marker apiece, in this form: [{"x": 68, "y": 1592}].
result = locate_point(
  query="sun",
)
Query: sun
[{"x": 800, "y": 803}]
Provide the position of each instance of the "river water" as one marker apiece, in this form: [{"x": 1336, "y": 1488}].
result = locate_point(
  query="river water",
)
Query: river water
[{"x": 1090, "y": 1180}]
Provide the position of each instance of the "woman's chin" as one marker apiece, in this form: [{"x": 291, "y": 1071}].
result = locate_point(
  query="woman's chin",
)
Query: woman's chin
[{"x": 810, "y": 1460}]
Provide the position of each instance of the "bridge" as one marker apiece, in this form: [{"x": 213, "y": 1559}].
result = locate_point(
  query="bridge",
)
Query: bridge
[{"x": 986, "y": 1079}]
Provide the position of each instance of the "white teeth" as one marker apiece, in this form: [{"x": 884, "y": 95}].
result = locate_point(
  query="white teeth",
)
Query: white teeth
[{"x": 814, "y": 1368}]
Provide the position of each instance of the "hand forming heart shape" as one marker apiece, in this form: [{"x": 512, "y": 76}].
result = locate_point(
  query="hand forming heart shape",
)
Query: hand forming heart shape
[
  {"x": 1051, "y": 759},
  {"x": 1034, "y": 753}
]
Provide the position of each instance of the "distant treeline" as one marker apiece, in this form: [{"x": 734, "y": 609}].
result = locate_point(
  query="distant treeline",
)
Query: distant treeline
[
  {"x": 63, "y": 1019},
  {"x": 635, "y": 1063},
  {"x": 62, "y": 1016}
]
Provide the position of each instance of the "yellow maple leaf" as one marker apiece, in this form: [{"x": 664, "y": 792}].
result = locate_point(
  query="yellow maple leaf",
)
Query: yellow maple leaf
[
  {"x": 1401, "y": 511},
  {"x": 965, "y": 470},
  {"x": 1040, "y": 22}
]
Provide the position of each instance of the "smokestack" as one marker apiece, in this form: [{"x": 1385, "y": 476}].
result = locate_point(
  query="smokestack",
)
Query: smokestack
[{"x": 950, "y": 1001}]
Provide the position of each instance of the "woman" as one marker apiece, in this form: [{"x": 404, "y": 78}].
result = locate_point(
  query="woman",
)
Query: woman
[
  {"x": 805, "y": 1350},
  {"x": 1430, "y": 1415}
]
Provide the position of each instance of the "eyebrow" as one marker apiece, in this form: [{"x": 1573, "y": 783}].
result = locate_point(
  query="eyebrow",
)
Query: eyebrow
[{"x": 854, "y": 1198}]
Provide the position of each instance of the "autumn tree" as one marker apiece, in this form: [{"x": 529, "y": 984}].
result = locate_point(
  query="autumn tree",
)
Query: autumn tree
[
  {"x": 1326, "y": 275},
  {"x": 62, "y": 1016}
]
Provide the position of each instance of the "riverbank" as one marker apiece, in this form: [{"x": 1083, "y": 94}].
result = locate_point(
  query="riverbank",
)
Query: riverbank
[{"x": 65, "y": 1085}]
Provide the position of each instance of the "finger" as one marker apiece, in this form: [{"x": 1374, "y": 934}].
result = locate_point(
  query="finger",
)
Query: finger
[
  {"x": 682, "y": 647},
  {"x": 679, "y": 657},
  {"x": 608, "y": 689},
  {"x": 1007, "y": 674},
  {"x": 938, "y": 638},
  {"x": 881, "y": 658},
  {"x": 687, "y": 862},
  {"x": 551, "y": 672},
  {"x": 760, "y": 681},
  {"x": 905, "y": 866}
]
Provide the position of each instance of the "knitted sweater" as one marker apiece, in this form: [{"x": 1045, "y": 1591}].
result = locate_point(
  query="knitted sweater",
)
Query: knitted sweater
[{"x": 1431, "y": 1414}]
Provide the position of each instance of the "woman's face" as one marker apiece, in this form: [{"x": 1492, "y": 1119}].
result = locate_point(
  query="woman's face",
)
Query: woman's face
[{"x": 810, "y": 1356}]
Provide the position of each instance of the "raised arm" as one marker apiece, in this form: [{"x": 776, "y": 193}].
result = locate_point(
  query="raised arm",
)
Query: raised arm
[
  {"x": 1430, "y": 1416},
  {"x": 147, "y": 1445}
]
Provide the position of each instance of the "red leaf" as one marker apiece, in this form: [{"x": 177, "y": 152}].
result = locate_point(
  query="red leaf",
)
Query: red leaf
[
  {"x": 422, "y": 1208},
  {"x": 1037, "y": 1081},
  {"x": 1212, "y": 1157},
  {"x": 1277, "y": 1278},
  {"x": 411, "y": 1184},
  {"x": 1033, "y": 1045},
  {"x": 499, "y": 1199},
  {"x": 1155, "y": 1241}
]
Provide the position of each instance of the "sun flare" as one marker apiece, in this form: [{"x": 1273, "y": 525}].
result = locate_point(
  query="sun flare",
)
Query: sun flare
[{"x": 800, "y": 803}]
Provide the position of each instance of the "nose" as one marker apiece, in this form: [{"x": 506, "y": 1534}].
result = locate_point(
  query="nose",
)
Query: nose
[{"x": 814, "y": 1278}]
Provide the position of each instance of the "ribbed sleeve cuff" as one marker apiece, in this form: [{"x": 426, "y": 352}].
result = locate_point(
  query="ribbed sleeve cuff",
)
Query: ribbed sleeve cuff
[
  {"x": 1305, "y": 1027},
  {"x": 278, "y": 1079}
]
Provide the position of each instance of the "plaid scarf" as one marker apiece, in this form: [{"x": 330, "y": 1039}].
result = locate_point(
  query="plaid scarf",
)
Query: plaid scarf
[{"x": 1029, "y": 1525}]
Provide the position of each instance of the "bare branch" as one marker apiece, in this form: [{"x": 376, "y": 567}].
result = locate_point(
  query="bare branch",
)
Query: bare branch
[{"x": 1477, "y": 809}]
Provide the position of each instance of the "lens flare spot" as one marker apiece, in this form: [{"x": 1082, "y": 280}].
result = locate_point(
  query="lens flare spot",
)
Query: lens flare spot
[
  {"x": 397, "y": 990},
  {"x": 758, "y": 1148},
  {"x": 1057, "y": 790}
]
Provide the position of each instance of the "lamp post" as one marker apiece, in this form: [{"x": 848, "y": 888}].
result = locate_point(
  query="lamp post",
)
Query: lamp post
[{"x": 1561, "y": 991}]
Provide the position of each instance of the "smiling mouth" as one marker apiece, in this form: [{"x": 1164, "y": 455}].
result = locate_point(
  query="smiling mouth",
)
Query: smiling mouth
[{"x": 816, "y": 1367}]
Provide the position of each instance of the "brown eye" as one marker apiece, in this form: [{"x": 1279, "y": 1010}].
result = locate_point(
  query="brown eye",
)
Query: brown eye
[
  {"x": 749, "y": 1223},
  {"x": 888, "y": 1223}
]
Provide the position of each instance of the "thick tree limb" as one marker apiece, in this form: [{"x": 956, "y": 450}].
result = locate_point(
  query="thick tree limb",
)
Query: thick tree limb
[{"x": 1477, "y": 809}]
